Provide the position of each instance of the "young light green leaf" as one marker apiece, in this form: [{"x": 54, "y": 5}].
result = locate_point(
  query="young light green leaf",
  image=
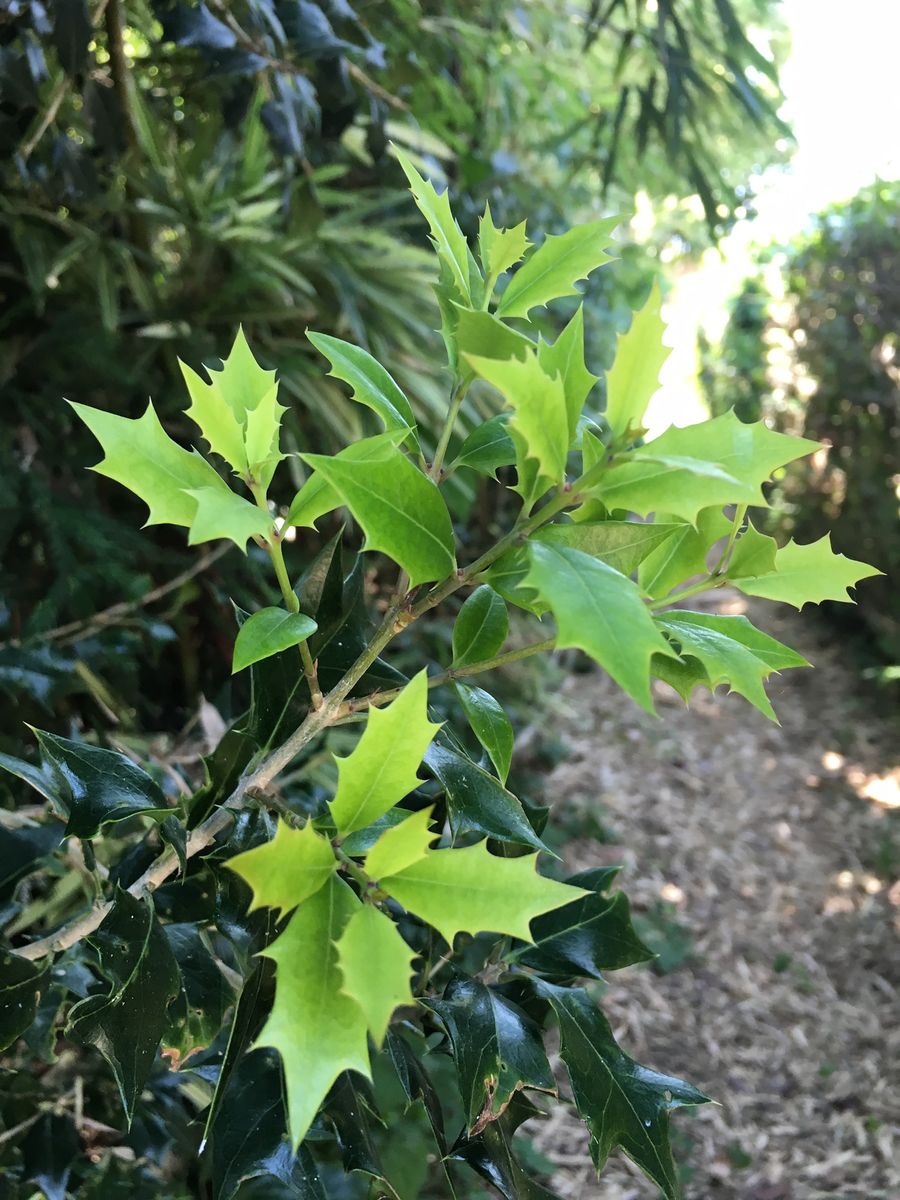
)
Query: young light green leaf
[
  {"x": 600, "y": 611},
  {"x": 221, "y": 513},
  {"x": 401, "y": 846},
  {"x": 623, "y": 1103},
  {"x": 565, "y": 358},
  {"x": 808, "y": 575},
  {"x": 622, "y": 545},
  {"x": 679, "y": 485},
  {"x": 288, "y": 869},
  {"x": 401, "y": 512},
  {"x": 262, "y": 436},
  {"x": 216, "y": 419},
  {"x": 684, "y": 554},
  {"x": 267, "y": 632},
  {"x": 242, "y": 381},
  {"x": 499, "y": 249},
  {"x": 753, "y": 554},
  {"x": 539, "y": 409},
  {"x": 471, "y": 891},
  {"x": 497, "y": 1049},
  {"x": 318, "y": 1029},
  {"x": 490, "y": 724},
  {"x": 487, "y": 447},
  {"x": 552, "y": 270},
  {"x": 141, "y": 456},
  {"x": 448, "y": 238},
  {"x": 383, "y": 765},
  {"x": 634, "y": 376},
  {"x": 748, "y": 453},
  {"x": 482, "y": 334},
  {"x": 376, "y": 964},
  {"x": 732, "y": 651},
  {"x": 372, "y": 385},
  {"x": 220, "y": 406},
  {"x": 480, "y": 628}
]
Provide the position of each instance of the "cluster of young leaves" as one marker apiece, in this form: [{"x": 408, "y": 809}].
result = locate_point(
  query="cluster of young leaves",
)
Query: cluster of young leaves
[{"x": 404, "y": 917}]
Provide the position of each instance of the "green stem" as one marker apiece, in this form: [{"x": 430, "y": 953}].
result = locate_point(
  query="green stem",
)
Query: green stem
[
  {"x": 737, "y": 521},
  {"x": 446, "y": 433},
  {"x": 273, "y": 544},
  {"x": 353, "y": 869},
  {"x": 489, "y": 664},
  {"x": 704, "y": 585}
]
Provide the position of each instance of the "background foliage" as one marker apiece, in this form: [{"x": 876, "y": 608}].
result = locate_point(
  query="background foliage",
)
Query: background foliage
[{"x": 819, "y": 358}]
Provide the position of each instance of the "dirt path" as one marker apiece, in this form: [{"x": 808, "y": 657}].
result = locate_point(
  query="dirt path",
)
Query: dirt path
[{"x": 775, "y": 851}]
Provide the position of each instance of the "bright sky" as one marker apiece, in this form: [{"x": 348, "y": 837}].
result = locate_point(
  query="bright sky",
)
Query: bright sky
[{"x": 842, "y": 89}]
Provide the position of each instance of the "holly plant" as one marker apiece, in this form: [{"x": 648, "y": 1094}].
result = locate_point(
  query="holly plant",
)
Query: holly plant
[{"x": 332, "y": 982}]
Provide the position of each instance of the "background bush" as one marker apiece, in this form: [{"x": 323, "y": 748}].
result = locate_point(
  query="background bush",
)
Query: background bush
[{"x": 819, "y": 358}]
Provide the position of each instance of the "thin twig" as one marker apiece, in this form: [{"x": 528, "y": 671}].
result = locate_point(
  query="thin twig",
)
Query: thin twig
[{"x": 112, "y": 615}]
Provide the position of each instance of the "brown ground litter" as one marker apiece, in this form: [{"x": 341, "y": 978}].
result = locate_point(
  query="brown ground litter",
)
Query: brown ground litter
[{"x": 774, "y": 847}]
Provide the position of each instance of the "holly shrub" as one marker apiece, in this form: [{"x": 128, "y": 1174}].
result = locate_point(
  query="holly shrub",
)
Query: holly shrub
[{"x": 303, "y": 990}]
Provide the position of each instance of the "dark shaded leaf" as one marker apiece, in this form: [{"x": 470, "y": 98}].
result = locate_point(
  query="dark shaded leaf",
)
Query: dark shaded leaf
[
  {"x": 349, "y": 1107},
  {"x": 195, "y": 1016},
  {"x": 71, "y": 34},
  {"x": 21, "y": 984},
  {"x": 491, "y": 1155},
  {"x": 591, "y": 935},
  {"x": 194, "y": 25},
  {"x": 249, "y": 1139},
  {"x": 416, "y": 1084},
  {"x": 476, "y": 800},
  {"x": 47, "y": 1152},
  {"x": 253, "y": 1006},
  {"x": 497, "y": 1049},
  {"x": 127, "y": 1022},
  {"x": 23, "y": 849},
  {"x": 624, "y": 1104},
  {"x": 89, "y": 784}
]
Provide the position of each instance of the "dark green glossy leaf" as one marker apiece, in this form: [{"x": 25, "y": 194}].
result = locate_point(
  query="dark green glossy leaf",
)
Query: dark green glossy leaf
[
  {"x": 249, "y": 1140},
  {"x": 196, "y": 1014},
  {"x": 127, "y": 1022},
  {"x": 476, "y": 800},
  {"x": 497, "y": 1049},
  {"x": 624, "y": 1104},
  {"x": 23, "y": 849},
  {"x": 320, "y": 591},
  {"x": 49, "y": 1148},
  {"x": 21, "y": 984},
  {"x": 251, "y": 1011},
  {"x": 590, "y": 935},
  {"x": 350, "y": 1107},
  {"x": 492, "y": 1155},
  {"x": 92, "y": 786},
  {"x": 480, "y": 628},
  {"x": 416, "y": 1083},
  {"x": 490, "y": 724}
]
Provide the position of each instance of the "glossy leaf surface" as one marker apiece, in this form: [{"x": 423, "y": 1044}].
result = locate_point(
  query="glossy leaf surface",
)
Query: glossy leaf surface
[{"x": 269, "y": 631}]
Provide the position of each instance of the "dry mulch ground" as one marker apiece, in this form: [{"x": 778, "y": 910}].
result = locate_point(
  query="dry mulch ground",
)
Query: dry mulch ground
[{"x": 773, "y": 848}]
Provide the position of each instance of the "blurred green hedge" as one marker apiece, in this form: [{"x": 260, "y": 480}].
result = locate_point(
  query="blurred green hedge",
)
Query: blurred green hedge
[{"x": 821, "y": 358}]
